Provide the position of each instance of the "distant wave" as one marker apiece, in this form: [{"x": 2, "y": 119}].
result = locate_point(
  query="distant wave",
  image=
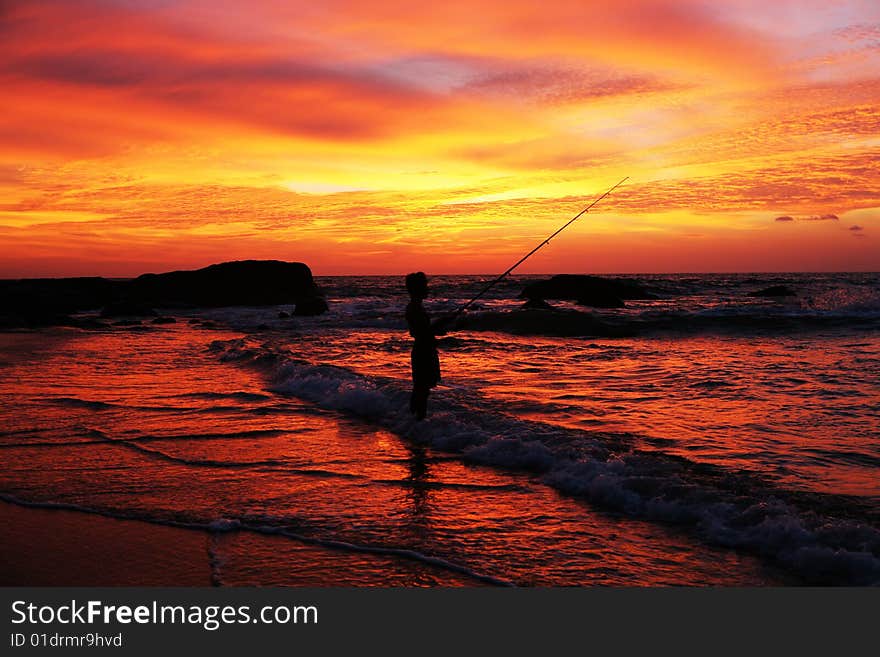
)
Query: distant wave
[
  {"x": 688, "y": 305},
  {"x": 571, "y": 323},
  {"x": 82, "y": 403},
  {"x": 96, "y": 405},
  {"x": 823, "y": 538},
  {"x": 237, "y": 396},
  {"x": 240, "y": 402},
  {"x": 96, "y": 437}
]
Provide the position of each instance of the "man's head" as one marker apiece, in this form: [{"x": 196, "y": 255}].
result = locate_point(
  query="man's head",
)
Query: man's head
[{"x": 417, "y": 285}]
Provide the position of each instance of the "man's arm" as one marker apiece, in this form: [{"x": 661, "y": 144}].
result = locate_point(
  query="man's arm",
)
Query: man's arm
[{"x": 441, "y": 326}]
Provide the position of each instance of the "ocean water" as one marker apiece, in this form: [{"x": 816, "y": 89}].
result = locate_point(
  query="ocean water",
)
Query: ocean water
[{"x": 705, "y": 438}]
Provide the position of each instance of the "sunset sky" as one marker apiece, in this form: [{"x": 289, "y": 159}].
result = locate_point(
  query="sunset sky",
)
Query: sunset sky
[{"x": 381, "y": 136}]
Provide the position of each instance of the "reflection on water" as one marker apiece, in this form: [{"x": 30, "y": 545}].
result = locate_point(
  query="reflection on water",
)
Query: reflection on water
[
  {"x": 151, "y": 426},
  {"x": 801, "y": 410},
  {"x": 286, "y": 443}
]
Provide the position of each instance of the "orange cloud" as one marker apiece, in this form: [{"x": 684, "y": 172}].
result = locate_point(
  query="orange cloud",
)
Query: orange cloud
[{"x": 360, "y": 136}]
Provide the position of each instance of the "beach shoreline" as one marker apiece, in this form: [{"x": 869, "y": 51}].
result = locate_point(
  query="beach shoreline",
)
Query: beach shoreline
[
  {"x": 58, "y": 547},
  {"x": 251, "y": 447}
]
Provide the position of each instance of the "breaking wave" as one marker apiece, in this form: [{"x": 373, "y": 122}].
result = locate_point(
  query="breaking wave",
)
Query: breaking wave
[{"x": 823, "y": 538}]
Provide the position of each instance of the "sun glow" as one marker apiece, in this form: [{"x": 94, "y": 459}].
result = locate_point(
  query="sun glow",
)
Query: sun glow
[{"x": 141, "y": 134}]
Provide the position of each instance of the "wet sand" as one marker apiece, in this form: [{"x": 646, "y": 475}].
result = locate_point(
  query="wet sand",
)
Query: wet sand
[
  {"x": 57, "y": 547},
  {"x": 47, "y": 547}
]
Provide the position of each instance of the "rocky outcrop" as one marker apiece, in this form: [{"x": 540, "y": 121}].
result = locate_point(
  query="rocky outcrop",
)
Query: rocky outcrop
[
  {"x": 586, "y": 290},
  {"x": 537, "y": 304},
  {"x": 774, "y": 291},
  {"x": 128, "y": 308},
  {"x": 599, "y": 299},
  {"x": 39, "y": 302},
  {"x": 310, "y": 306},
  {"x": 240, "y": 283}
]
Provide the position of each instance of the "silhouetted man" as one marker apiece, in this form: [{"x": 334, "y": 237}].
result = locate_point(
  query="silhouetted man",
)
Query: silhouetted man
[{"x": 425, "y": 360}]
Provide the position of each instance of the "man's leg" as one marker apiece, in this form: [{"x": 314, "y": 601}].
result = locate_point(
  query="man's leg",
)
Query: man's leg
[{"x": 420, "y": 401}]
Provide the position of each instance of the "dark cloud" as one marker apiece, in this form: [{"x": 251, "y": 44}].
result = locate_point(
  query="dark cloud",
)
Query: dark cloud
[
  {"x": 274, "y": 93},
  {"x": 857, "y": 231},
  {"x": 106, "y": 69},
  {"x": 120, "y": 68},
  {"x": 161, "y": 71},
  {"x": 811, "y": 217}
]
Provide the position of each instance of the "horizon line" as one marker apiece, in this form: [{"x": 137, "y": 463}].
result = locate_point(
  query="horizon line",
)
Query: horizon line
[{"x": 490, "y": 274}]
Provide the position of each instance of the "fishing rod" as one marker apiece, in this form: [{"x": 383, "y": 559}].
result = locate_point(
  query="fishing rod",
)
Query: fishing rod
[{"x": 528, "y": 255}]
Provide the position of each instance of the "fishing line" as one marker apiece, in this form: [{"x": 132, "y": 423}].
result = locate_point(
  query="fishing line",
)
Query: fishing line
[{"x": 528, "y": 255}]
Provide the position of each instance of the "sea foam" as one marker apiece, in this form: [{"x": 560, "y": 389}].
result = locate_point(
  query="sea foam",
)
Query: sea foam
[{"x": 823, "y": 539}]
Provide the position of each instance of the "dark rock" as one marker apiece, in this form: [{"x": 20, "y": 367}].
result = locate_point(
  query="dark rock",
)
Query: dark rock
[
  {"x": 599, "y": 299},
  {"x": 164, "y": 320},
  {"x": 283, "y": 315},
  {"x": 558, "y": 322},
  {"x": 537, "y": 304},
  {"x": 89, "y": 323},
  {"x": 10, "y": 320},
  {"x": 38, "y": 302},
  {"x": 310, "y": 306},
  {"x": 587, "y": 290},
  {"x": 128, "y": 308},
  {"x": 34, "y": 318},
  {"x": 774, "y": 291},
  {"x": 263, "y": 327},
  {"x": 240, "y": 283}
]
